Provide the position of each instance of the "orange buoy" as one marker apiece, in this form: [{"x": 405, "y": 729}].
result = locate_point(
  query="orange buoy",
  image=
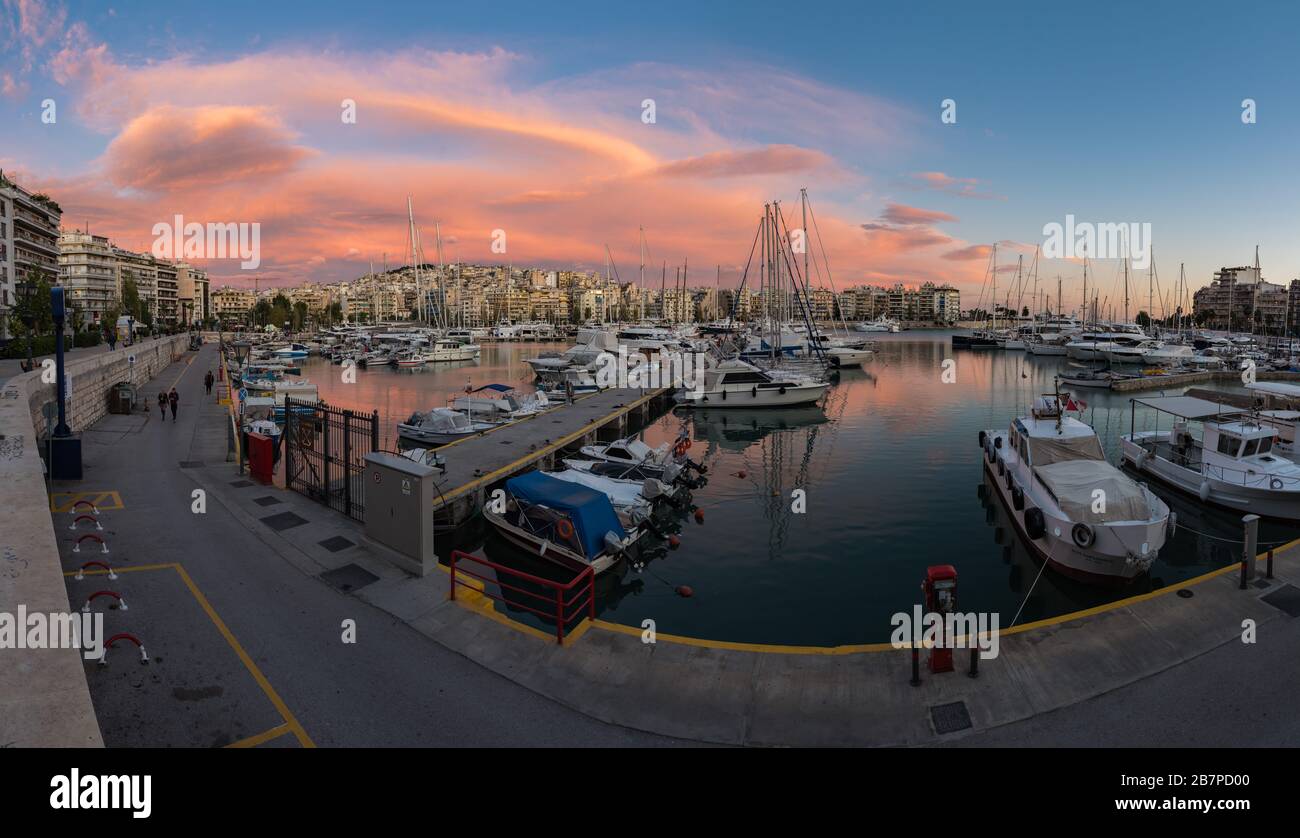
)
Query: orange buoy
[
  {"x": 684, "y": 591},
  {"x": 699, "y": 516},
  {"x": 674, "y": 542}
]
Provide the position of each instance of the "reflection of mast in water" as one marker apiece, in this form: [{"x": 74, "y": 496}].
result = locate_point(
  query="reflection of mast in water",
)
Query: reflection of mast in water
[{"x": 775, "y": 449}]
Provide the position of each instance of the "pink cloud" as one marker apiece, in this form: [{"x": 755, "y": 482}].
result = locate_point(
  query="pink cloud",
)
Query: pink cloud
[
  {"x": 901, "y": 214},
  {"x": 966, "y": 187},
  {"x": 170, "y": 148},
  {"x": 566, "y": 168}
]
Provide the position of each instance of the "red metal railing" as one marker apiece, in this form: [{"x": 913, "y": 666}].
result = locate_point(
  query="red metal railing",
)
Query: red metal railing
[{"x": 560, "y": 603}]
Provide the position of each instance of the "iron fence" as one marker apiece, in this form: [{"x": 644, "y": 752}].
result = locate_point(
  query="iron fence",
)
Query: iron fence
[{"x": 325, "y": 452}]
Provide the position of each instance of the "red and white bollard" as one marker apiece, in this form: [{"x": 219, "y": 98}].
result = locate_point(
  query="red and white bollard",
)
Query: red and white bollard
[
  {"x": 103, "y": 546},
  {"x": 91, "y": 518},
  {"x": 144, "y": 657},
  {"x": 121, "y": 603},
  {"x": 81, "y": 570}
]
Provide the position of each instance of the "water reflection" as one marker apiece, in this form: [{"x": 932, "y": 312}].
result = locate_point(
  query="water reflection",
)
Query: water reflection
[{"x": 889, "y": 467}]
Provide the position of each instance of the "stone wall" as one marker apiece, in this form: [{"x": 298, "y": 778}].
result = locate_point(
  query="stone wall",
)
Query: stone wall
[{"x": 92, "y": 377}]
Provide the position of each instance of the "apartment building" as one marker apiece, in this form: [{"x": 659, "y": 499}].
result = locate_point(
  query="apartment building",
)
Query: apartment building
[
  {"x": 232, "y": 305},
  {"x": 30, "y": 241},
  {"x": 193, "y": 298},
  {"x": 1254, "y": 302},
  {"x": 89, "y": 268}
]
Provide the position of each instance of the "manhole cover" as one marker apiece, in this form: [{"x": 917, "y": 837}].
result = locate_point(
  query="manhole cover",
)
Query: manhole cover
[
  {"x": 284, "y": 521},
  {"x": 269, "y": 500},
  {"x": 242, "y": 484},
  {"x": 350, "y": 577},
  {"x": 1285, "y": 598},
  {"x": 950, "y": 718},
  {"x": 191, "y": 463},
  {"x": 1185, "y": 593},
  {"x": 335, "y": 544}
]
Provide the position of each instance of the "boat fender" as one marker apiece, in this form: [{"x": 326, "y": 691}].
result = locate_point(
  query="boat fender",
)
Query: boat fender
[
  {"x": 1010, "y": 485},
  {"x": 983, "y": 436},
  {"x": 724, "y": 395},
  {"x": 997, "y": 442},
  {"x": 1172, "y": 526},
  {"x": 1035, "y": 523},
  {"x": 1140, "y": 460},
  {"x": 1204, "y": 491},
  {"x": 1002, "y": 469},
  {"x": 1017, "y": 498},
  {"x": 1275, "y": 483},
  {"x": 1083, "y": 535},
  {"x": 782, "y": 390},
  {"x": 753, "y": 391}
]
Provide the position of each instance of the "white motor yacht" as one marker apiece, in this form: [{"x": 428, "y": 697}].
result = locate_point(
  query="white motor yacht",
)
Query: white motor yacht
[
  {"x": 441, "y": 426},
  {"x": 739, "y": 384},
  {"x": 1233, "y": 463},
  {"x": 1047, "y": 469}
]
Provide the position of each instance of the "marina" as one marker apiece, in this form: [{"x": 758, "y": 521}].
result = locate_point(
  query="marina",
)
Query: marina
[{"x": 856, "y": 546}]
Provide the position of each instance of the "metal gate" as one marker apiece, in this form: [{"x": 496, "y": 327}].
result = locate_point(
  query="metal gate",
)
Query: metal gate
[{"x": 325, "y": 452}]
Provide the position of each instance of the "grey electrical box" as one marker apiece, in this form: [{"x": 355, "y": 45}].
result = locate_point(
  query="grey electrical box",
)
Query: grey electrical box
[{"x": 399, "y": 508}]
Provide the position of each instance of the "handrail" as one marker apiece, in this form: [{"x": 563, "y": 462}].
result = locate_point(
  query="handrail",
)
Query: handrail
[{"x": 584, "y": 582}]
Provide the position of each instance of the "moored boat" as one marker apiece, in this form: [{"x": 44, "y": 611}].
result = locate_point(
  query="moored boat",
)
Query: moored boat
[{"x": 1048, "y": 469}]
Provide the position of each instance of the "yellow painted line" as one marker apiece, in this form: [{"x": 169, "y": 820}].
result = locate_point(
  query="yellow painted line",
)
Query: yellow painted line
[
  {"x": 103, "y": 500},
  {"x": 167, "y": 566},
  {"x": 181, "y": 375},
  {"x": 290, "y": 720},
  {"x": 538, "y": 454},
  {"x": 264, "y": 736}
]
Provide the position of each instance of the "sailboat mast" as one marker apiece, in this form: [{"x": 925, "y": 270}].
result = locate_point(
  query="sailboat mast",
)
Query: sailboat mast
[{"x": 641, "y": 288}]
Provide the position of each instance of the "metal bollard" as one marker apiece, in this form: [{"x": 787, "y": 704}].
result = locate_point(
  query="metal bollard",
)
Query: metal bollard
[
  {"x": 1242, "y": 586},
  {"x": 916, "y": 666},
  {"x": 974, "y": 662},
  {"x": 1251, "y": 524},
  {"x": 1268, "y": 568}
]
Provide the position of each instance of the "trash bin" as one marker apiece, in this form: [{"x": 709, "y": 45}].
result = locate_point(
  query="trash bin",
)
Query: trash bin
[{"x": 122, "y": 397}]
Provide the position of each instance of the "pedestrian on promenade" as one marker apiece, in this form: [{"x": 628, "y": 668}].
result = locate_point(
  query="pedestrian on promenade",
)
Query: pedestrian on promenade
[
  {"x": 207, "y": 382},
  {"x": 175, "y": 399},
  {"x": 162, "y": 404}
]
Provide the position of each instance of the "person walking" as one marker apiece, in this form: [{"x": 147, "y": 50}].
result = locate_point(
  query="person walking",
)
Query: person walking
[
  {"x": 207, "y": 382},
  {"x": 174, "y": 398},
  {"x": 162, "y": 404}
]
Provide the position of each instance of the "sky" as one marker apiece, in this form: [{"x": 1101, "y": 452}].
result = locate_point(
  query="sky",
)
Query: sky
[{"x": 529, "y": 118}]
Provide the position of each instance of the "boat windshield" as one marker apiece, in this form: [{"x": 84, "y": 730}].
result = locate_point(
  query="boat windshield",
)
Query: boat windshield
[{"x": 1045, "y": 451}]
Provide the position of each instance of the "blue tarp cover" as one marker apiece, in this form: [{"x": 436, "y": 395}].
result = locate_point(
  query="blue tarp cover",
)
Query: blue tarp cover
[
  {"x": 591, "y": 512},
  {"x": 500, "y": 388}
]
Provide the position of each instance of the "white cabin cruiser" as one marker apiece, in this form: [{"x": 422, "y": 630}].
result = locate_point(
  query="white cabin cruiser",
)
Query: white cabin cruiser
[
  {"x": 739, "y": 384},
  {"x": 1232, "y": 464},
  {"x": 883, "y": 323},
  {"x": 1047, "y": 469},
  {"x": 441, "y": 426}
]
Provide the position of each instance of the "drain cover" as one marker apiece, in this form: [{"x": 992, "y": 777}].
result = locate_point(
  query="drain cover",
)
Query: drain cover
[
  {"x": 1285, "y": 598},
  {"x": 350, "y": 577},
  {"x": 284, "y": 521},
  {"x": 950, "y": 718},
  {"x": 335, "y": 544},
  {"x": 242, "y": 484},
  {"x": 269, "y": 500}
]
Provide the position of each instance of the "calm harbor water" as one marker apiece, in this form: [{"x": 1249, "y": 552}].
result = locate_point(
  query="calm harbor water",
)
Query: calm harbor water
[{"x": 890, "y": 470}]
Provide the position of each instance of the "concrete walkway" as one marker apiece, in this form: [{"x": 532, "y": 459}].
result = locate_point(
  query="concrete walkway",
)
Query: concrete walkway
[
  {"x": 1160, "y": 669},
  {"x": 390, "y": 688}
]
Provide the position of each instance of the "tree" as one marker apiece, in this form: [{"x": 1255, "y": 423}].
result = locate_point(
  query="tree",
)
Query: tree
[
  {"x": 262, "y": 312},
  {"x": 1143, "y": 319},
  {"x": 299, "y": 315}
]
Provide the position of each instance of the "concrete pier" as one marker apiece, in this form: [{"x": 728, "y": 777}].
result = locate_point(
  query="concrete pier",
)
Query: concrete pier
[{"x": 475, "y": 464}]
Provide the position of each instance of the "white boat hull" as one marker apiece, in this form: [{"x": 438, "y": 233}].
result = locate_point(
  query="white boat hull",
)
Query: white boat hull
[
  {"x": 1279, "y": 500},
  {"x": 745, "y": 396}
]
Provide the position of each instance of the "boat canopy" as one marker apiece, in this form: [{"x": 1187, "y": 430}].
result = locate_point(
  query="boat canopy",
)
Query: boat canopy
[
  {"x": 1276, "y": 388},
  {"x": 1188, "y": 407},
  {"x": 441, "y": 419},
  {"x": 499, "y": 388},
  {"x": 589, "y": 510},
  {"x": 1044, "y": 451},
  {"x": 1073, "y": 482}
]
